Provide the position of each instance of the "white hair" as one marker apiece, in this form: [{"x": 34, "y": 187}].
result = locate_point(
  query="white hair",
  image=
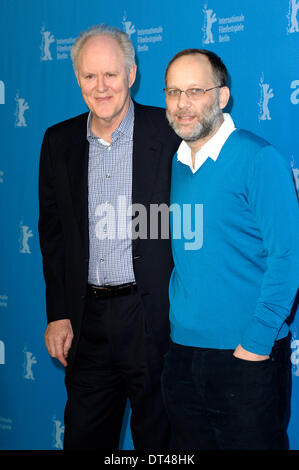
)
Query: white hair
[{"x": 120, "y": 36}]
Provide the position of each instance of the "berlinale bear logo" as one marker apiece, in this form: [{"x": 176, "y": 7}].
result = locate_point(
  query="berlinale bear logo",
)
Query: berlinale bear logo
[
  {"x": 21, "y": 107},
  {"x": 292, "y": 17},
  {"x": 47, "y": 40}
]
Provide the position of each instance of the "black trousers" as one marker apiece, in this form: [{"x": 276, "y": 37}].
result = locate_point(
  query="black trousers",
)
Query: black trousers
[
  {"x": 217, "y": 401},
  {"x": 116, "y": 359}
]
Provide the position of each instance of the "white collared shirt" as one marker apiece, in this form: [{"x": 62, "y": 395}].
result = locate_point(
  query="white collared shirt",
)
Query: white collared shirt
[{"x": 210, "y": 149}]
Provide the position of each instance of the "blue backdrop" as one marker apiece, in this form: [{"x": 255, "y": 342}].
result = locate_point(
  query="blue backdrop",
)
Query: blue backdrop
[{"x": 258, "y": 41}]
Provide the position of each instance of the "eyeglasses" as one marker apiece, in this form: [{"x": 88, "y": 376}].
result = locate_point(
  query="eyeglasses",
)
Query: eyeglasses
[{"x": 193, "y": 93}]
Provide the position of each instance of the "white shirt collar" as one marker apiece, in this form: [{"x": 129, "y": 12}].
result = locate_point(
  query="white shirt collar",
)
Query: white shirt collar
[{"x": 210, "y": 149}]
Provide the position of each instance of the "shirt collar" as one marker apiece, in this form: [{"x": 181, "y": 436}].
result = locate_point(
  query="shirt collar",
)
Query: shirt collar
[
  {"x": 124, "y": 129},
  {"x": 211, "y": 148}
]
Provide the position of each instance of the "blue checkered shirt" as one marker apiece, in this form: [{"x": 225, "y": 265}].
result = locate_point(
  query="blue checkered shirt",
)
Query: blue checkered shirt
[{"x": 109, "y": 195}]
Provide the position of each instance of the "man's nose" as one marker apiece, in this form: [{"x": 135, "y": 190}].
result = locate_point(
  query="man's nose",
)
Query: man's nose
[
  {"x": 101, "y": 84},
  {"x": 183, "y": 100}
]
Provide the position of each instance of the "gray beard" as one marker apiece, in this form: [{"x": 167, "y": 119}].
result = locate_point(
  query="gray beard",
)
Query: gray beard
[{"x": 209, "y": 122}]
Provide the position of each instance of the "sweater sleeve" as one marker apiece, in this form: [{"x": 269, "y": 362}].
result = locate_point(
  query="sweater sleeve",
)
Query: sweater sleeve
[{"x": 273, "y": 200}]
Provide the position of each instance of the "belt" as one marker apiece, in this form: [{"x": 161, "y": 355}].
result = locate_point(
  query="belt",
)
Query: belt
[{"x": 112, "y": 291}]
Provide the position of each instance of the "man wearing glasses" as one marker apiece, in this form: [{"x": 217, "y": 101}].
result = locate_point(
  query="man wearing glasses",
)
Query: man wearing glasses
[{"x": 226, "y": 376}]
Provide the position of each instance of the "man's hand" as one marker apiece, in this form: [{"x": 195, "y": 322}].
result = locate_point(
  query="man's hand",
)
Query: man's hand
[
  {"x": 58, "y": 338},
  {"x": 242, "y": 353}
]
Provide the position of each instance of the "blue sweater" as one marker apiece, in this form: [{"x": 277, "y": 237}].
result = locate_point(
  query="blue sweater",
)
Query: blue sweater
[{"x": 239, "y": 286}]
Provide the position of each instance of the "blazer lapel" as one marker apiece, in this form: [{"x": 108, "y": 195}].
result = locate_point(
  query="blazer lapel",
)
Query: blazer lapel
[
  {"x": 146, "y": 150},
  {"x": 77, "y": 167}
]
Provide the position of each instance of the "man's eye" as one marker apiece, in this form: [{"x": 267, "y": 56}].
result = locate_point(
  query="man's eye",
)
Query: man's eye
[
  {"x": 174, "y": 92},
  {"x": 195, "y": 91}
]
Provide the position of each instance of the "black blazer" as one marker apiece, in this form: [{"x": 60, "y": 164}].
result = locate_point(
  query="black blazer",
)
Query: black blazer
[{"x": 63, "y": 218}]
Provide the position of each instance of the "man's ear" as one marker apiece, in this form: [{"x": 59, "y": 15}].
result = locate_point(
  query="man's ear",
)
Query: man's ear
[
  {"x": 224, "y": 96},
  {"x": 132, "y": 75},
  {"x": 77, "y": 77}
]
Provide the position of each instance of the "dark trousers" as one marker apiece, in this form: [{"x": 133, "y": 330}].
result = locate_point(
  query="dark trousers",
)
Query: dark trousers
[
  {"x": 217, "y": 401},
  {"x": 116, "y": 359}
]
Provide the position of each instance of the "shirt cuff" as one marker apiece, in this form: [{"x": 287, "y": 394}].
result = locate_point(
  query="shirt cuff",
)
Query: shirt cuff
[{"x": 255, "y": 331}]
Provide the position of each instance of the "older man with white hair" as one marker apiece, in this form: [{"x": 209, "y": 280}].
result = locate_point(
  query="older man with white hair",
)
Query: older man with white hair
[{"x": 107, "y": 293}]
